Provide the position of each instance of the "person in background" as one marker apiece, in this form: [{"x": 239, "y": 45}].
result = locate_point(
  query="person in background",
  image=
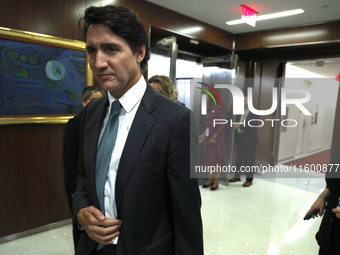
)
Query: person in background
[
  {"x": 246, "y": 141},
  {"x": 176, "y": 92},
  {"x": 71, "y": 148},
  {"x": 90, "y": 93},
  {"x": 328, "y": 202},
  {"x": 214, "y": 144},
  {"x": 134, "y": 192},
  {"x": 162, "y": 84}
]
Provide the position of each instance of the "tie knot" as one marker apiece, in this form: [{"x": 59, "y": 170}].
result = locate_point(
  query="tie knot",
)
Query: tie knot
[{"x": 115, "y": 107}]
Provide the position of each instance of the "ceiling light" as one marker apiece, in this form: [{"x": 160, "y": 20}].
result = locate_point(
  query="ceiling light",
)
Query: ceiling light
[
  {"x": 190, "y": 30},
  {"x": 268, "y": 16},
  {"x": 193, "y": 41}
]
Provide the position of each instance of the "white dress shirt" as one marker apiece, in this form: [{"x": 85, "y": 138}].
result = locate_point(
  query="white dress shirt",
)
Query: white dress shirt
[{"x": 130, "y": 102}]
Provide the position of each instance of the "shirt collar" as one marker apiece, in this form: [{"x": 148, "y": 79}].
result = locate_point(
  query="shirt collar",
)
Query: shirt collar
[{"x": 132, "y": 96}]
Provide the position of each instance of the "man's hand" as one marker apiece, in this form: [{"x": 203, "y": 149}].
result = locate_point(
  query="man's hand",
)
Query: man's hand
[
  {"x": 336, "y": 210},
  {"x": 320, "y": 203},
  {"x": 97, "y": 226}
]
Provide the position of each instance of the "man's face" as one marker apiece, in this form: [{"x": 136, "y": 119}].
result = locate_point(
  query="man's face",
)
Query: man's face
[{"x": 114, "y": 65}]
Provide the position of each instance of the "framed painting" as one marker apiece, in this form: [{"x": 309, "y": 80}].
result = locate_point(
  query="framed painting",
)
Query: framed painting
[{"x": 41, "y": 77}]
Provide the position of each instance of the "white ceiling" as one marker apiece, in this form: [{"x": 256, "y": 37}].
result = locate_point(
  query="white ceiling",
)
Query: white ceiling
[{"x": 217, "y": 12}]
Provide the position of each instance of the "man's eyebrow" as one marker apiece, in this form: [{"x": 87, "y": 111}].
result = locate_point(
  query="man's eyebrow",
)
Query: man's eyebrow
[
  {"x": 89, "y": 47},
  {"x": 103, "y": 45}
]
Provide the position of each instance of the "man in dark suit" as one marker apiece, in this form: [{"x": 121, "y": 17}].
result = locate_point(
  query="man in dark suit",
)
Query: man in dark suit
[
  {"x": 150, "y": 204},
  {"x": 71, "y": 150},
  {"x": 246, "y": 141}
]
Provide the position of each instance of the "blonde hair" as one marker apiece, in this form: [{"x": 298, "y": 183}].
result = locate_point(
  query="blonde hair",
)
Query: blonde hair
[{"x": 165, "y": 86}]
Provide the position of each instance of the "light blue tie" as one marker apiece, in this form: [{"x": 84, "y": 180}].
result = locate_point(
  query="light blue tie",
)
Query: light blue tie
[{"x": 104, "y": 151}]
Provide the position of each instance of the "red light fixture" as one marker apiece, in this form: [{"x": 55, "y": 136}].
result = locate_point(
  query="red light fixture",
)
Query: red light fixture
[{"x": 248, "y": 15}]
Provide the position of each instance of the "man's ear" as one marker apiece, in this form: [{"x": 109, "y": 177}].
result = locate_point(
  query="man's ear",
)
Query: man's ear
[{"x": 140, "y": 54}]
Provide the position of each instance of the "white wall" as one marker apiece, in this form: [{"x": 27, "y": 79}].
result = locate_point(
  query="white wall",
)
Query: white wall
[
  {"x": 186, "y": 71},
  {"x": 158, "y": 65},
  {"x": 313, "y": 132}
]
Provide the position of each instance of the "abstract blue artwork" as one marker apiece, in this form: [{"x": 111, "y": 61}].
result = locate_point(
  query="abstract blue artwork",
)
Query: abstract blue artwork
[{"x": 39, "y": 79}]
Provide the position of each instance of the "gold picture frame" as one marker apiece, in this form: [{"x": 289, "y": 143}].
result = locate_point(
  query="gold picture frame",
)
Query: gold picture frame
[{"x": 41, "y": 77}]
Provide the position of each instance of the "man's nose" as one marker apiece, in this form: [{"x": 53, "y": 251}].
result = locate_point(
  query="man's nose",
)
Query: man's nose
[{"x": 101, "y": 61}]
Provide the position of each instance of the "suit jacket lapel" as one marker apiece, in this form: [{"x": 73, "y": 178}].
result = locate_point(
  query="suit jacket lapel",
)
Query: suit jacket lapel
[{"x": 139, "y": 131}]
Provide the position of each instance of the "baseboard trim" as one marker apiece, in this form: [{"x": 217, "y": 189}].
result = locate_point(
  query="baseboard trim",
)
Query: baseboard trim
[{"x": 35, "y": 230}]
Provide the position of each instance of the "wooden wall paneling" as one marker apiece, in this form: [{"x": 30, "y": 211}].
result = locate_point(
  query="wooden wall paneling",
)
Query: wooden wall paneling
[
  {"x": 56, "y": 18},
  {"x": 313, "y": 34},
  {"x": 290, "y": 53},
  {"x": 31, "y": 177}
]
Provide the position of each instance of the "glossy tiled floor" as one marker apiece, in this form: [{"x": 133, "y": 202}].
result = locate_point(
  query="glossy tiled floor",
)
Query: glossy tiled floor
[{"x": 265, "y": 219}]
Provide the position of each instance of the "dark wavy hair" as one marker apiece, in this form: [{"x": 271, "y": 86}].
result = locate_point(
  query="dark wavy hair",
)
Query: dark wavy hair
[{"x": 123, "y": 22}]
